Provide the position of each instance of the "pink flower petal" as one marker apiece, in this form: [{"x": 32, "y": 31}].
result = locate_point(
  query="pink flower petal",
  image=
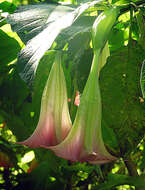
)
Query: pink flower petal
[
  {"x": 84, "y": 142},
  {"x": 70, "y": 148},
  {"x": 43, "y": 135},
  {"x": 54, "y": 121}
]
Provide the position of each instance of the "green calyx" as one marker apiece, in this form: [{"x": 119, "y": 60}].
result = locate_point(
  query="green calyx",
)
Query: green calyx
[{"x": 102, "y": 26}]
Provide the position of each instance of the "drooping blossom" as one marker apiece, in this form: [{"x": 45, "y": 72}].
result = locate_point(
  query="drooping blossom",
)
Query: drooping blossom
[
  {"x": 84, "y": 142},
  {"x": 54, "y": 122}
]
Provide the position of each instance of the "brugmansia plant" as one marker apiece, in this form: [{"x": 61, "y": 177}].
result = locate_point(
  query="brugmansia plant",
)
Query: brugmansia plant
[
  {"x": 80, "y": 103},
  {"x": 82, "y": 141}
]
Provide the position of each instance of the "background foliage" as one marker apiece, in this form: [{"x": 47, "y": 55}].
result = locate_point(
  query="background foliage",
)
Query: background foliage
[{"x": 122, "y": 82}]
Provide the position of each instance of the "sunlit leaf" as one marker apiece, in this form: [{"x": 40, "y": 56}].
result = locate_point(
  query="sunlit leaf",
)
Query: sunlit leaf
[
  {"x": 7, "y": 7},
  {"x": 30, "y": 20},
  {"x": 9, "y": 48},
  {"x": 60, "y": 18},
  {"x": 82, "y": 26}
]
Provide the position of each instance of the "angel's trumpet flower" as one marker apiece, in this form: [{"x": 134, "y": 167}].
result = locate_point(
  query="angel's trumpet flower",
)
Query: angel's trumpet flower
[
  {"x": 84, "y": 142},
  {"x": 54, "y": 121}
]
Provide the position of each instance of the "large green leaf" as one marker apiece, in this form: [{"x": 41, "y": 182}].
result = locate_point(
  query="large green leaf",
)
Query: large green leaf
[
  {"x": 123, "y": 109},
  {"x": 28, "y": 20}
]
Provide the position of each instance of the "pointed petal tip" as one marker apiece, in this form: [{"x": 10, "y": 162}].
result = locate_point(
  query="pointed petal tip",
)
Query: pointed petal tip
[{"x": 27, "y": 143}]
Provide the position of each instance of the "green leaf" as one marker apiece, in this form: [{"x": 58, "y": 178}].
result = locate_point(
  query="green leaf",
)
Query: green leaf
[
  {"x": 53, "y": 161},
  {"x": 7, "y": 7},
  {"x": 82, "y": 68},
  {"x": 9, "y": 48},
  {"x": 109, "y": 137},
  {"x": 120, "y": 1},
  {"x": 82, "y": 26},
  {"x": 117, "y": 180},
  {"x": 28, "y": 21},
  {"x": 76, "y": 50},
  {"x": 120, "y": 89},
  {"x": 116, "y": 39},
  {"x": 60, "y": 18}
]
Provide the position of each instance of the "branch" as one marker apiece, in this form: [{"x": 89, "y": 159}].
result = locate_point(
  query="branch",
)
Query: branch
[
  {"x": 131, "y": 167},
  {"x": 125, "y": 8}
]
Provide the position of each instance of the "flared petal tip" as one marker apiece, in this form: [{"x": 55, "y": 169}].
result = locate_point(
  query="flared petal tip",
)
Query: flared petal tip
[
  {"x": 92, "y": 158},
  {"x": 29, "y": 144}
]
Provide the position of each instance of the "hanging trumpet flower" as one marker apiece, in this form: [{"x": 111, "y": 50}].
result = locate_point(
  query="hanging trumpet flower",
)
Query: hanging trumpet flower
[
  {"x": 84, "y": 142},
  {"x": 54, "y": 122}
]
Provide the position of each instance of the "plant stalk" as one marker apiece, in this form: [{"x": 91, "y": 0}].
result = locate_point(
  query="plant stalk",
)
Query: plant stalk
[
  {"x": 125, "y": 8},
  {"x": 132, "y": 171}
]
